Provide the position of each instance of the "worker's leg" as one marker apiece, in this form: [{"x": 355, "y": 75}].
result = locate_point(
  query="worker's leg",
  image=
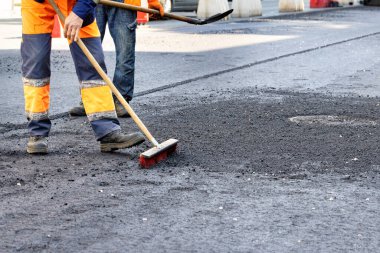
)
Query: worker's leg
[
  {"x": 96, "y": 95},
  {"x": 37, "y": 25},
  {"x": 122, "y": 25},
  {"x": 125, "y": 87},
  {"x": 101, "y": 19}
]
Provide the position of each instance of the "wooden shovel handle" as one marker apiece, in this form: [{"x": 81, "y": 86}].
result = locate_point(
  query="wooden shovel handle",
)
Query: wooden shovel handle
[{"x": 147, "y": 10}]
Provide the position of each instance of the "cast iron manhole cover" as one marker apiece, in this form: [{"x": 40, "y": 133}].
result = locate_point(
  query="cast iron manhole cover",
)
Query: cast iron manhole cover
[{"x": 332, "y": 120}]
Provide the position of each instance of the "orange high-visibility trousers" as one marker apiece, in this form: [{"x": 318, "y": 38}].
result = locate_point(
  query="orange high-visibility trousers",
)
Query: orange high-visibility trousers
[{"x": 37, "y": 26}]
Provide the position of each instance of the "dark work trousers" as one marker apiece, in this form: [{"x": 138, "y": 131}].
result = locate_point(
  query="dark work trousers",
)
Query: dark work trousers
[{"x": 122, "y": 26}]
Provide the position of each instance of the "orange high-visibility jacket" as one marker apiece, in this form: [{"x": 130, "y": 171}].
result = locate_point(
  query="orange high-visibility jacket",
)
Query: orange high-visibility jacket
[
  {"x": 133, "y": 2},
  {"x": 137, "y": 2}
]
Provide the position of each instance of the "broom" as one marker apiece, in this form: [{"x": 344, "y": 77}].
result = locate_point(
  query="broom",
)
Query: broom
[{"x": 160, "y": 151}]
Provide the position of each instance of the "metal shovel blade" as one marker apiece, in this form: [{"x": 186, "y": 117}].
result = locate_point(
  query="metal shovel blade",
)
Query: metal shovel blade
[
  {"x": 189, "y": 20},
  {"x": 216, "y": 17}
]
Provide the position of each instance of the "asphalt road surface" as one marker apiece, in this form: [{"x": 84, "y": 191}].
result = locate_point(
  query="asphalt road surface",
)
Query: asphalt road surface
[{"x": 278, "y": 122}]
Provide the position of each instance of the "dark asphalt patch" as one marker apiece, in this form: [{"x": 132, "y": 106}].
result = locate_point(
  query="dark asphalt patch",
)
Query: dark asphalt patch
[
  {"x": 254, "y": 132},
  {"x": 260, "y": 136}
]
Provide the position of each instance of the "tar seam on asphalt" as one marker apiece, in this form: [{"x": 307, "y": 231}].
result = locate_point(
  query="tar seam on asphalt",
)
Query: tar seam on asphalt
[{"x": 9, "y": 126}]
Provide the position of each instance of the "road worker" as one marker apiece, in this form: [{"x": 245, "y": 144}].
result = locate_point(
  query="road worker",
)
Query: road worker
[
  {"x": 122, "y": 26},
  {"x": 37, "y": 26}
]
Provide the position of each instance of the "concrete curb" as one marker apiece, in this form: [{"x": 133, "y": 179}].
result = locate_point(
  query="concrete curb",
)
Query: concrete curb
[
  {"x": 279, "y": 16},
  {"x": 297, "y": 14},
  {"x": 311, "y": 12},
  {"x": 10, "y": 20}
]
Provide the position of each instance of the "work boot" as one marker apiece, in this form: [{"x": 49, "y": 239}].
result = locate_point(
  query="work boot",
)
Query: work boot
[
  {"x": 37, "y": 145},
  {"x": 117, "y": 140},
  {"x": 78, "y": 110},
  {"x": 120, "y": 110}
]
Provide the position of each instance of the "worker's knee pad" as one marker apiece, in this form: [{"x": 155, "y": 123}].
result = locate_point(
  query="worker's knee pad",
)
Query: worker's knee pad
[
  {"x": 100, "y": 108},
  {"x": 97, "y": 100},
  {"x": 37, "y": 98}
]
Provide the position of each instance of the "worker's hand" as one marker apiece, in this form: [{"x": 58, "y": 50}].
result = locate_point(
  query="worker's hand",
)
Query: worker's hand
[
  {"x": 73, "y": 24},
  {"x": 155, "y": 4}
]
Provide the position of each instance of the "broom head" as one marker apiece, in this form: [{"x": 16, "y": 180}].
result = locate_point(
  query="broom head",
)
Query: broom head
[{"x": 157, "y": 154}]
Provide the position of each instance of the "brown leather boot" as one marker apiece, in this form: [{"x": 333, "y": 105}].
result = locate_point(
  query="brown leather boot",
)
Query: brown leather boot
[
  {"x": 120, "y": 110},
  {"x": 78, "y": 111},
  {"x": 117, "y": 140},
  {"x": 37, "y": 145}
]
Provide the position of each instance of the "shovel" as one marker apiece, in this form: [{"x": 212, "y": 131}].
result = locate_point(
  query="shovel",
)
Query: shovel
[{"x": 193, "y": 21}]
